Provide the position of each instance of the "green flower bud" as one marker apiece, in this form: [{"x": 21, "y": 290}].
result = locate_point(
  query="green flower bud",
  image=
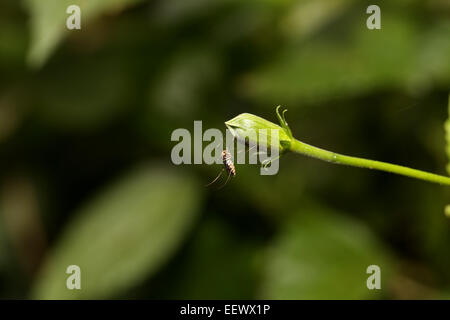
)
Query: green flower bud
[{"x": 249, "y": 128}]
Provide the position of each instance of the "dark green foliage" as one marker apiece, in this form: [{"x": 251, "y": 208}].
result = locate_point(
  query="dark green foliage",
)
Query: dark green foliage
[{"x": 81, "y": 110}]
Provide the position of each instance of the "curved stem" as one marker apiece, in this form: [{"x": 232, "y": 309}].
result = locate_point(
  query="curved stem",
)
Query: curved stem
[{"x": 318, "y": 153}]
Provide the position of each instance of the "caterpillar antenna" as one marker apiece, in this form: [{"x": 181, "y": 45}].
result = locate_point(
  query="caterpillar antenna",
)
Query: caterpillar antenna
[{"x": 229, "y": 175}]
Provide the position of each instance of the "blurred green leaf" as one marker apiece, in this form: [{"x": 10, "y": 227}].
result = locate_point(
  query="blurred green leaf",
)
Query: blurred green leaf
[
  {"x": 307, "y": 17},
  {"x": 122, "y": 236},
  {"x": 320, "y": 69},
  {"x": 321, "y": 255},
  {"x": 48, "y": 22}
]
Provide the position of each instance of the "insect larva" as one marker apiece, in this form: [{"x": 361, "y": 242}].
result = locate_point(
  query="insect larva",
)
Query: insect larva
[{"x": 228, "y": 165}]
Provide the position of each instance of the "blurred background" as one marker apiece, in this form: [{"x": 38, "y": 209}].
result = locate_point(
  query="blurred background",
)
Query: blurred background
[{"x": 86, "y": 176}]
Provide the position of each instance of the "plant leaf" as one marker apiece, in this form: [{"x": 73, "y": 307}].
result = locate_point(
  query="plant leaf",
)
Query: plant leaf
[
  {"x": 321, "y": 255},
  {"x": 122, "y": 236},
  {"x": 48, "y": 22},
  {"x": 322, "y": 70}
]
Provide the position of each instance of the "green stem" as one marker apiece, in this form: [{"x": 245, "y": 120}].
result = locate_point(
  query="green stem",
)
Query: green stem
[{"x": 311, "y": 151}]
